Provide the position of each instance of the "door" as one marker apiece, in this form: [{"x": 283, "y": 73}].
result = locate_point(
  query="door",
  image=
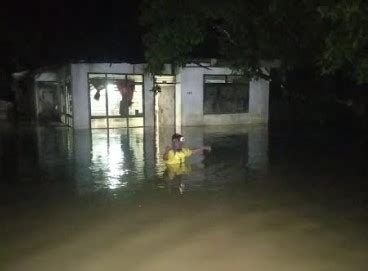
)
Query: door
[
  {"x": 165, "y": 101},
  {"x": 166, "y": 106},
  {"x": 164, "y": 112},
  {"x": 49, "y": 102}
]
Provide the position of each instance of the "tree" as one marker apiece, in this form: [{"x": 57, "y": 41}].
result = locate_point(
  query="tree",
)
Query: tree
[
  {"x": 346, "y": 43},
  {"x": 329, "y": 35}
]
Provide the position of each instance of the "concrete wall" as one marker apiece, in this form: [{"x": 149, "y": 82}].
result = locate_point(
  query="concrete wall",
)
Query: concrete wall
[
  {"x": 257, "y": 144},
  {"x": 79, "y": 77},
  {"x": 192, "y": 80},
  {"x": 189, "y": 95},
  {"x": 80, "y": 96},
  {"x": 47, "y": 77},
  {"x": 259, "y": 100},
  {"x": 5, "y": 108},
  {"x": 231, "y": 119},
  {"x": 23, "y": 87}
]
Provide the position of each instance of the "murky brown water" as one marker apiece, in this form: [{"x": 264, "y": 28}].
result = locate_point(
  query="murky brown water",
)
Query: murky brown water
[{"x": 103, "y": 200}]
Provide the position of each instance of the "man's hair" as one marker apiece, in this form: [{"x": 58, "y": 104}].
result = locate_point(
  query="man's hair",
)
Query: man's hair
[{"x": 176, "y": 136}]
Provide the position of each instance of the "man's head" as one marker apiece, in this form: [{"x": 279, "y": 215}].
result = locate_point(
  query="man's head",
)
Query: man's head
[{"x": 177, "y": 142}]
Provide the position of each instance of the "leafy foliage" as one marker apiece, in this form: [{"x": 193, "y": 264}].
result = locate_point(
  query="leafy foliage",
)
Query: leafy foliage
[
  {"x": 346, "y": 42},
  {"x": 330, "y": 35}
]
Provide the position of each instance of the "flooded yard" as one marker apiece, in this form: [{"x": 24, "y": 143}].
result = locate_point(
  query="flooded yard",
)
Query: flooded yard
[{"x": 104, "y": 200}]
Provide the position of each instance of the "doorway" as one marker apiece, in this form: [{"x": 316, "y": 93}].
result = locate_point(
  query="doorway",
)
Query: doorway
[
  {"x": 165, "y": 101},
  {"x": 48, "y": 101}
]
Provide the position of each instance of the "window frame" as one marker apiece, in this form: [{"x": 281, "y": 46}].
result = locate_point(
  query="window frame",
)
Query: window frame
[
  {"x": 225, "y": 83},
  {"x": 107, "y": 117}
]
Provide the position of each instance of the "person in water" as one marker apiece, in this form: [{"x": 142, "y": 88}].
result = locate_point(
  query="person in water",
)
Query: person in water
[{"x": 177, "y": 154}]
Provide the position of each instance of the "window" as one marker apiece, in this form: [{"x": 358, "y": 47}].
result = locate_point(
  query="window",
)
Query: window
[
  {"x": 225, "y": 94},
  {"x": 116, "y": 100}
]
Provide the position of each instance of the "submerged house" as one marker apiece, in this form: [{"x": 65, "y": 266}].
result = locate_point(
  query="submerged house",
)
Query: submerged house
[{"x": 118, "y": 95}]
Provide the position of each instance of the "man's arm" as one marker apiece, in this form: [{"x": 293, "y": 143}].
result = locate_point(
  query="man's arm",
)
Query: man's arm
[{"x": 201, "y": 149}]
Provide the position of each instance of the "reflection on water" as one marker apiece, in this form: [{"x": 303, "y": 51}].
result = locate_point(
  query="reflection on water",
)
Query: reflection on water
[
  {"x": 129, "y": 158},
  {"x": 117, "y": 154},
  {"x": 104, "y": 200},
  {"x": 112, "y": 159}
]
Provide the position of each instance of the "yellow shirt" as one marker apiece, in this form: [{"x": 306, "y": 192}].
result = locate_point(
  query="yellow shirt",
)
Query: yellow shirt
[
  {"x": 178, "y": 157},
  {"x": 174, "y": 170}
]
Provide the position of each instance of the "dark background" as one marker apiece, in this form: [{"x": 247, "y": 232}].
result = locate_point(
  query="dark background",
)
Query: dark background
[{"x": 39, "y": 33}]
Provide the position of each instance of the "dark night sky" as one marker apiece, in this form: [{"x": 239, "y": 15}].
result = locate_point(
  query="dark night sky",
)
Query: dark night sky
[{"x": 49, "y": 32}]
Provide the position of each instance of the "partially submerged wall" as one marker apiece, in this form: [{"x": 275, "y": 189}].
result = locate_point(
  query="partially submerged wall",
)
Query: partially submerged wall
[
  {"x": 79, "y": 75},
  {"x": 192, "y": 89},
  {"x": 188, "y": 100}
]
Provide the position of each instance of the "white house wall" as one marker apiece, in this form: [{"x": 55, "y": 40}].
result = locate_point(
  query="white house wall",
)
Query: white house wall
[
  {"x": 80, "y": 96},
  {"x": 259, "y": 100},
  {"x": 192, "y": 85},
  {"x": 79, "y": 75},
  {"x": 189, "y": 95},
  {"x": 231, "y": 119}
]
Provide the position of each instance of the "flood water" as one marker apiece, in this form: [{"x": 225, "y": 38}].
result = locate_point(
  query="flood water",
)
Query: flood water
[{"x": 263, "y": 199}]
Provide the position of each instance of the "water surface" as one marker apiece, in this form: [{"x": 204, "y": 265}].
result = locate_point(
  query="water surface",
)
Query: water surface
[{"x": 104, "y": 200}]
